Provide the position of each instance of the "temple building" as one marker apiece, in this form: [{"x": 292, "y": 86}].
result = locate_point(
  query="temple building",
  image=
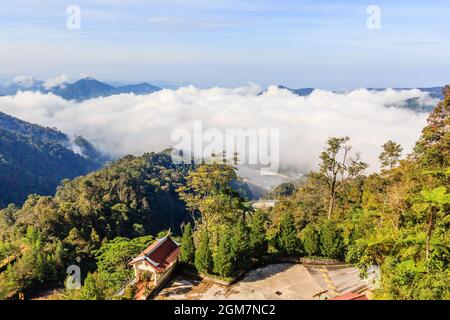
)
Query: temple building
[{"x": 153, "y": 266}]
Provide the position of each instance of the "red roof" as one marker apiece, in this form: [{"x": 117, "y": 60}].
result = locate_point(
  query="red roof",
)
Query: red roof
[
  {"x": 159, "y": 254},
  {"x": 351, "y": 296}
]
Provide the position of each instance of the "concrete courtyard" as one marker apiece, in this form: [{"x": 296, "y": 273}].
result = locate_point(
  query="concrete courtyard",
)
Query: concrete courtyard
[{"x": 277, "y": 281}]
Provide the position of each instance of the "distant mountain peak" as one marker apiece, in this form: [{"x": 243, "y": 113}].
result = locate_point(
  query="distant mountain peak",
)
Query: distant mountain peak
[
  {"x": 80, "y": 90},
  {"x": 300, "y": 92}
]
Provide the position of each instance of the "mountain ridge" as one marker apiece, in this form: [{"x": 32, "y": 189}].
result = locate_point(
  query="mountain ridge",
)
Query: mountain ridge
[
  {"x": 412, "y": 104},
  {"x": 34, "y": 159},
  {"x": 80, "y": 90}
]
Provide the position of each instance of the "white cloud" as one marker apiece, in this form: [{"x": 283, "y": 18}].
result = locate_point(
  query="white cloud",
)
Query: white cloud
[
  {"x": 127, "y": 123},
  {"x": 57, "y": 81},
  {"x": 24, "y": 81}
]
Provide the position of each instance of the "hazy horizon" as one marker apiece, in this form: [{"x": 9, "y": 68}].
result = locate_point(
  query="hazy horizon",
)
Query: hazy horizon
[{"x": 165, "y": 83}]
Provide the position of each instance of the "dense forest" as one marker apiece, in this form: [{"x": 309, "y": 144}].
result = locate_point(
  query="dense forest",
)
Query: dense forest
[
  {"x": 34, "y": 159},
  {"x": 397, "y": 219}
]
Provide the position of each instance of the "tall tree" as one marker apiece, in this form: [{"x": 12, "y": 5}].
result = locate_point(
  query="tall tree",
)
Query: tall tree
[
  {"x": 433, "y": 147},
  {"x": 112, "y": 261},
  {"x": 187, "y": 254},
  {"x": 203, "y": 256},
  {"x": 223, "y": 260},
  {"x": 331, "y": 242},
  {"x": 208, "y": 191},
  {"x": 338, "y": 167},
  {"x": 257, "y": 236},
  {"x": 390, "y": 155},
  {"x": 287, "y": 240},
  {"x": 240, "y": 245},
  {"x": 432, "y": 204},
  {"x": 311, "y": 240}
]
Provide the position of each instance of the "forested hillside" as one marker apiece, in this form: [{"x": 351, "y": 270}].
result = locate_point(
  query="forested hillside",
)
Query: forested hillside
[
  {"x": 34, "y": 159},
  {"x": 132, "y": 197}
]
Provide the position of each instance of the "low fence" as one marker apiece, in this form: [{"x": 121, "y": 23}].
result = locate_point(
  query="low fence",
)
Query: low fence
[
  {"x": 303, "y": 260},
  {"x": 122, "y": 290},
  {"x": 191, "y": 272},
  {"x": 320, "y": 261}
]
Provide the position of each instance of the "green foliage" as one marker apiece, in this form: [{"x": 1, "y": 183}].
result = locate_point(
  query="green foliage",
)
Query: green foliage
[
  {"x": 285, "y": 189},
  {"x": 187, "y": 254},
  {"x": 432, "y": 150},
  {"x": 287, "y": 240},
  {"x": 407, "y": 280},
  {"x": 436, "y": 197},
  {"x": 331, "y": 242},
  {"x": 7, "y": 249},
  {"x": 338, "y": 168},
  {"x": 390, "y": 155},
  {"x": 203, "y": 255},
  {"x": 37, "y": 265},
  {"x": 257, "y": 233},
  {"x": 130, "y": 293},
  {"x": 311, "y": 240},
  {"x": 307, "y": 204},
  {"x": 35, "y": 159},
  {"x": 209, "y": 191},
  {"x": 240, "y": 245},
  {"x": 92, "y": 288},
  {"x": 112, "y": 259},
  {"x": 128, "y": 198},
  {"x": 224, "y": 264}
]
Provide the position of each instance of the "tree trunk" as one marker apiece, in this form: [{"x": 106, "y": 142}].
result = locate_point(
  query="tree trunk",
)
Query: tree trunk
[
  {"x": 331, "y": 206},
  {"x": 429, "y": 232},
  {"x": 332, "y": 197}
]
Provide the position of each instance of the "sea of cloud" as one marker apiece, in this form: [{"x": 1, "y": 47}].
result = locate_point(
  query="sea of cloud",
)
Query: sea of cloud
[{"x": 133, "y": 124}]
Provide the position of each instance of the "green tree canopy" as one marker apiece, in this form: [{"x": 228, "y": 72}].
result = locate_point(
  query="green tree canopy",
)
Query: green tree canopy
[
  {"x": 311, "y": 240},
  {"x": 203, "y": 255},
  {"x": 287, "y": 240},
  {"x": 257, "y": 235},
  {"x": 187, "y": 254},
  {"x": 331, "y": 242},
  {"x": 224, "y": 264}
]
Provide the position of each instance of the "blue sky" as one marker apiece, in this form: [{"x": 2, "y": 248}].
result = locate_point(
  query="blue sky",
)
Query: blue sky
[{"x": 322, "y": 44}]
